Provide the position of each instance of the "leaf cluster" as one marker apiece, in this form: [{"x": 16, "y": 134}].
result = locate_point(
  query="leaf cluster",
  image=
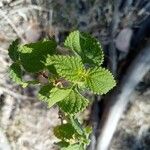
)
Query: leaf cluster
[{"x": 66, "y": 76}]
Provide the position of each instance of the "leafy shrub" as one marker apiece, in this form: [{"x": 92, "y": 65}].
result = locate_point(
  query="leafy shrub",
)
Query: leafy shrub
[{"x": 66, "y": 77}]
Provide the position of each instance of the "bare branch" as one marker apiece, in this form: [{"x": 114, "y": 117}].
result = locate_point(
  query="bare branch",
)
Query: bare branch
[
  {"x": 120, "y": 98},
  {"x": 113, "y": 28},
  {"x": 15, "y": 95}
]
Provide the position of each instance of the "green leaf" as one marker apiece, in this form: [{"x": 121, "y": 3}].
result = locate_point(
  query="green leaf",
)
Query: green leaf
[
  {"x": 13, "y": 50},
  {"x": 44, "y": 92},
  {"x": 74, "y": 103},
  {"x": 68, "y": 67},
  {"x": 33, "y": 55},
  {"x": 99, "y": 80},
  {"x": 52, "y": 95},
  {"x": 73, "y": 147},
  {"x": 15, "y": 74},
  {"x": 83, "y": 132},
  {"x": 87, "y": 132},
  {"x": 87, "y": 47},
  {"x": 57, "y": 95},
  {"x": 64, "y": 131},
  {"x": 77, "y": 126},
  {"x": 62, "y": 144},
  {"x": 52, "y": 69}
]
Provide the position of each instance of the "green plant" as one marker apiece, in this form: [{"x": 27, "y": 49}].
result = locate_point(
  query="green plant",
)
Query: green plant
[{"x": 67, "y": 76}]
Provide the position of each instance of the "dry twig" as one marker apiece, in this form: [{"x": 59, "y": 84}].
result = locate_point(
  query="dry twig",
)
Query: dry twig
[
  {"x": 14, "y": 94},
  {"x": 120, "y": 98}
]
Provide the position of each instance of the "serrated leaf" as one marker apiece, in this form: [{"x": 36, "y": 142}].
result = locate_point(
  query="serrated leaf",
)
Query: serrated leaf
[
  {"x": 64, "y": 131},
  {"x": 83, "y": 132},
  {"x": 57, "y": 95},
  {"x": 68, "y": 67},
  {"x": 33, "y": 55},
  {"x": 99, "y": 80},
  {"x": 74, "y": 103},
  {"x": 77, "y": 126},
  {"x": 13, "y": 50},
  {"x": 87, "y": 47},
  {"x": 52, "y": 95},
  {"x": 15, "y": 74},
  {"x": 73, "y": 147}
]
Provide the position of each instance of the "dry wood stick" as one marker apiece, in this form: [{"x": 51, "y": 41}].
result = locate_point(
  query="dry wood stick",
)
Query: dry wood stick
[
  {"x": 94, "y": 119},
  {"x": 120, "y": 98},
  {"x": 113, "y": 28},
  {"x": 15, "y": 94}
]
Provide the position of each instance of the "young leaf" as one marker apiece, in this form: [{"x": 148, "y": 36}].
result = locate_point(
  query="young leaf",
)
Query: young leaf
[
  {"x": 64, "y": 131},
  {"x": 87, "y": 47},
  {"x": 100, "y": 80},
  {"x": 52, "y": 95},
  {"x": 88, "y": 130},
  {"x": 33, "y": 55},
  {"x": 15, "y": 74},
  {"x": 13, "y": 50},
  {"x": 68, "y": 67},
  {"x": 74, "y": 103}
]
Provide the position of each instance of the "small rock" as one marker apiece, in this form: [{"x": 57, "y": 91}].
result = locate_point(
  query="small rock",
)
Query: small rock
[{"x": 123, "y": 40}]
